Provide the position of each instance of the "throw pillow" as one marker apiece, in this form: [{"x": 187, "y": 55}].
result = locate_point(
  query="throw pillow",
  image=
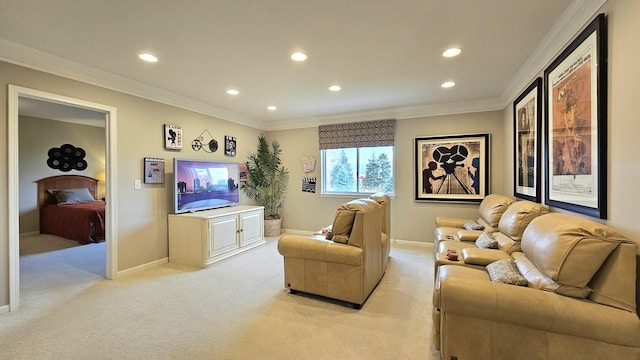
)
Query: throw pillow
[
  {"x": 342, "y": 224},
  {"x": 72, "y": 196},
  {"x": 472, "y": 225},
  {"x": 486, "y": 241},
  {"x": 506, "y": 272}
]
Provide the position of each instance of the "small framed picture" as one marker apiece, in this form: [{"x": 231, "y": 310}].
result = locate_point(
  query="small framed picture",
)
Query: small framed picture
[
  {"x": 230, "y": 145},
  {"x": 172, "y": 137},
  {"x": 153, "y": 171}
]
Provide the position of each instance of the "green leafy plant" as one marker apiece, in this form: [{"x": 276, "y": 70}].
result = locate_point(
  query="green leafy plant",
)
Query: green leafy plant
[{"x": 267, "y": 178}]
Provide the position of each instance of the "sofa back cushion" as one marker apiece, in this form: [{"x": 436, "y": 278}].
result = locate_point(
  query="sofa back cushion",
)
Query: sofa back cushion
[
  {"x": 345, "y": 216},
  {"x": 568, "y": 249},
  {"x": 492, "y": 207},
  {"x": 517, "y": 216}
]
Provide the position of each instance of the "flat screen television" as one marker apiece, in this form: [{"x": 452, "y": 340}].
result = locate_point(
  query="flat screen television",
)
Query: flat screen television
[{"x": 204, "y": 185}]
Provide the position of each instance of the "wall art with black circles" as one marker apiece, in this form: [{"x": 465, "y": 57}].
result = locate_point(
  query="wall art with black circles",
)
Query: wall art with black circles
[{"x": 66, "y": 158}]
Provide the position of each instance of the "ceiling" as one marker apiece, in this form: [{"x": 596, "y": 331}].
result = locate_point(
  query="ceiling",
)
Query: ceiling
[{"x": 386, "y": 55}]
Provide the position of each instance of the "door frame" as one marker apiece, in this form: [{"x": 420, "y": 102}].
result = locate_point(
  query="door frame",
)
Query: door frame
[{"x": 111, "y": 256}]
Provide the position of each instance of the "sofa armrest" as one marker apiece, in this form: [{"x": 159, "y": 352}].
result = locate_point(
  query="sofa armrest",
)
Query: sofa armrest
[
  {"x": 450, "y": 222},
  {"x": 303, "y": 247},
  {"x": 468, "y": 235},
  {"x": 531, "y": 308},
  {"x": 484, "y": 257}
]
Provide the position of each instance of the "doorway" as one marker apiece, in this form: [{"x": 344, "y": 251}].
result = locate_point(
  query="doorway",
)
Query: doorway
[{"x": 17, "y": 93}]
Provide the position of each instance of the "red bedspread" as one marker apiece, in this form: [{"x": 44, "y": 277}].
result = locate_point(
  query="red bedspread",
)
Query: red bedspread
[{"x": 82, "y": 222}]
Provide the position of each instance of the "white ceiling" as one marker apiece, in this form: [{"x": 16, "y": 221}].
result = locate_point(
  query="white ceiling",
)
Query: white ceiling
[{"x": 385, "y": 54}]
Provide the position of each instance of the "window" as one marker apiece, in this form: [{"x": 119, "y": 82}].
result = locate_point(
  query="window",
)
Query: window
[{"x": 361, "y": 170}]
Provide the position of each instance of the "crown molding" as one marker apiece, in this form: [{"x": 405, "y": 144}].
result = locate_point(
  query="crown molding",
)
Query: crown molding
[
  {"x": 575, "y": 17},
  {"x": 42, "y": 61},
  {"x": 570, "y": 22},
  {"x": 480, "y": 105}
]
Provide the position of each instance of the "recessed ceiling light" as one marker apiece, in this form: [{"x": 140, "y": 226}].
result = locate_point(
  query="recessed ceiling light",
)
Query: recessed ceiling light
[
  {"x": 298, "y": 56},
  {"x": 233, "y": 92},
  {"x": 148, "y": 57},
  {"x": 335, "y": 88},
  {"x": 272, "y": 108},
  {"x": 452, "y": 52},
  {"x": 448, "y": 84}
]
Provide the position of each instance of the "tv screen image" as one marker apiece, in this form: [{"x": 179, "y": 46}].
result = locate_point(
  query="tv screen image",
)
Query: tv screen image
[{"x": 204, "y": 184}]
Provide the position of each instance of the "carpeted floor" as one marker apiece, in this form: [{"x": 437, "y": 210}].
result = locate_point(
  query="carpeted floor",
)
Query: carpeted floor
[{"x": 236, "y": 309}]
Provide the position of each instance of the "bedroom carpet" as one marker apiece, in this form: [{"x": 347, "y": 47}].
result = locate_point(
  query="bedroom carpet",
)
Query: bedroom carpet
[{"x": 236, "y": 309}]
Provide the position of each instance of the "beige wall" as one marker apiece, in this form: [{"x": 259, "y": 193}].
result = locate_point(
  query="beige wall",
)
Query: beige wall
[
  {"x": 142, "y": 233},
  {"x": 142, "y": 214},
  {"x": 411, "y": 220},
  {"x": 36, "y": 137},
  {"x": 623, "y": 158}
]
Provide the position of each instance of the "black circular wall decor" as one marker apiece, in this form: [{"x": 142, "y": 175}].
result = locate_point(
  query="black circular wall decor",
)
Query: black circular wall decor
[{"x": 66, "y": 158}]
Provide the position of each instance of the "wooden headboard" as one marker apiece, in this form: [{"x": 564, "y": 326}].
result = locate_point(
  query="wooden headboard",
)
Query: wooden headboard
[{"x": 63, "y": 182}]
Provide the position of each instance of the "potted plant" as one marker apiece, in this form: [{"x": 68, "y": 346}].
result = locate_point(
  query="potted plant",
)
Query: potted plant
[{"x": 267, "y": 181}]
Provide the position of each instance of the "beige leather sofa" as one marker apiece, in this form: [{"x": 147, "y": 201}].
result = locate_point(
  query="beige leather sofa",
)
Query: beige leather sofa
[
  {"x": 490, "y": 210},
  {"x": 346, "y": 267},
  {"x": 511, "y": 226},
  {"x": 580, "y": 301}
]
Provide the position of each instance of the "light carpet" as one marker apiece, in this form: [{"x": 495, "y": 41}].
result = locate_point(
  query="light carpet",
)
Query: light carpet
[{"x": 236, "y": 309}]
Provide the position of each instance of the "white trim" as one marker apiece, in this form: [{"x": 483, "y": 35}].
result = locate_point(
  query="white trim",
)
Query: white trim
[
  {"x": 568, "y": 25},
  {"x": 111, "y": 258},
  {"x": 412, "y": 243},
  {"x": 42, "y": 61},
  {"x": 139, "y": 268},
  {"x": 297, "y": 232},
  {"x": 29, "y": 234}
]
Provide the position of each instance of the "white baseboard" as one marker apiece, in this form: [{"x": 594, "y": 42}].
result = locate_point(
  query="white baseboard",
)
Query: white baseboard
[
  {"x": 4, "y": 309},
  {"x": 30, "y": 234},
  {"x": 297, "y": 232},
  {"x": 139, "y": 268},
  {"x": 412, "y": 243}
]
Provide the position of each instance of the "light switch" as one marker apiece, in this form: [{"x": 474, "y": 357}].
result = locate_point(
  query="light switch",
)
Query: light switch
[{"x": 137, "y": 185}]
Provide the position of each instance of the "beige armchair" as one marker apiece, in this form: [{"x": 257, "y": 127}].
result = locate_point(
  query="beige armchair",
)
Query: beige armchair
[{"x": 346, "y": 267}]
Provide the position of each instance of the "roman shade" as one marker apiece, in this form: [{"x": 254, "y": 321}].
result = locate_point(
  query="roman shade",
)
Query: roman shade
[{"x": 357, "y": 134}]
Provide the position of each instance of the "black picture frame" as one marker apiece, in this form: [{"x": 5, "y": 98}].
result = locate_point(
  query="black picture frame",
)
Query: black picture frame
[
  {"x": 576, "y": 124},
  {"x": 452, "y": 168},
  {"x": 172, "y": 137},
  {"x": 527, "y": 142},
  {"x": 230, "y": 145},
  {"x": 153, "y": 170}
]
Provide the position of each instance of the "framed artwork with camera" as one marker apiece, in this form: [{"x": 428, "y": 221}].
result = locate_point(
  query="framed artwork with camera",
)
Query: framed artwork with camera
[{"x": 452, "y": 168}]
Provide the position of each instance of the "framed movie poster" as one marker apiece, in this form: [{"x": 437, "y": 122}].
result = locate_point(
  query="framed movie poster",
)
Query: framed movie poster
[
  {"x": 576, "y": 124},
  {"x": 452, "y": 167},
  {"x": 527, "y": 140}
]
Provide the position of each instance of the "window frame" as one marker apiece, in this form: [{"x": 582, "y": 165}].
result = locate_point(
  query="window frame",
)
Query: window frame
[{"x": 324, "y": 181}]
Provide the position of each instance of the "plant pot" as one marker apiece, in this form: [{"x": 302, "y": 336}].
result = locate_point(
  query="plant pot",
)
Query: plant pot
[{"x": 272, "y": 227}]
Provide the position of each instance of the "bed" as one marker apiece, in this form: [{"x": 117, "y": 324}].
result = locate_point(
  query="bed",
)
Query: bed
[{"x": 68, "y": 208}]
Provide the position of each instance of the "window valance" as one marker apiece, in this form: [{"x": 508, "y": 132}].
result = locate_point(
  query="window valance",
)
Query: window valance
[{"x": 357, "y": 134}]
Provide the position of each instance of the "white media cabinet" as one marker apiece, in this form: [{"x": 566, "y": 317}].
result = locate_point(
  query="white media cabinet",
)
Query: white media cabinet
[{"x": 204, "y": 237}]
